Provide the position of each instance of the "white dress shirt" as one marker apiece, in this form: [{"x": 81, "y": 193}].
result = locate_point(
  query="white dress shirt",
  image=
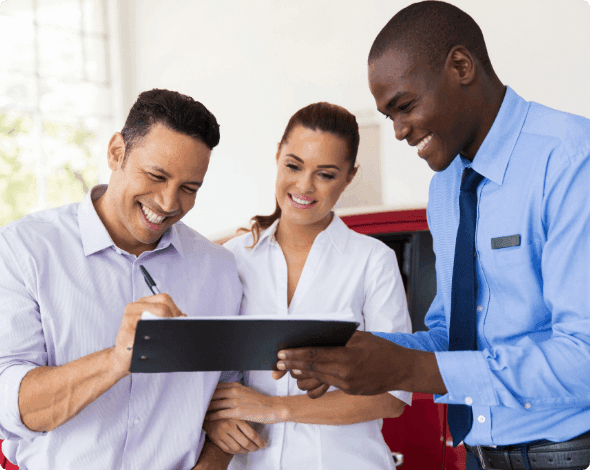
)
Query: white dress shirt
[
  {"x": 64, "y": 286},
  {"x": 347, "y": 276}
]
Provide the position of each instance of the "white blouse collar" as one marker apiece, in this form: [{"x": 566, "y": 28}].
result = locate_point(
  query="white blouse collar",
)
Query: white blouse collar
[{"x": 337, "y": 232}]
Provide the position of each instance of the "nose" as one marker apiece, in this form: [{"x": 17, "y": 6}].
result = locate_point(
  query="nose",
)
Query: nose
[
  {"x": 305, "y": 183},
  {"x": 401, "y": 128},
  {"x": 168, "y": 199}
]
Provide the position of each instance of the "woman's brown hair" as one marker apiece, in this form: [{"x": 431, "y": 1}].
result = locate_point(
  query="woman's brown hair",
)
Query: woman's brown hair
[{"x": 323, "y": 117}]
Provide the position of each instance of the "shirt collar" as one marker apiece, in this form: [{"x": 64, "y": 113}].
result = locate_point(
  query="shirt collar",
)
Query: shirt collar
[
  {"x": 94, "y": 234},
  {"x": 337, "y": 233},
  {"x": 493, "y": 156}
]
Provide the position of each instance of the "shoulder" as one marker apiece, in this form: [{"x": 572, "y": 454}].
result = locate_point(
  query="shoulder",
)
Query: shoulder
[
  {"x": 195, "y": 244},
  {"x": 565, "y": 136},
  {"x": 43, "y": 227},
  {"x": 240, "y": 245},
  {"x": 361, "y": 246}
]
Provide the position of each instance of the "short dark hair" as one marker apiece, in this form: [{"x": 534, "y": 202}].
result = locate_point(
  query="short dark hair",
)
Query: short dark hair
[
  {"x": 176, "y": 111},
  {"x": 325, "y": 117},
  {"x": 429, "y": 30}
]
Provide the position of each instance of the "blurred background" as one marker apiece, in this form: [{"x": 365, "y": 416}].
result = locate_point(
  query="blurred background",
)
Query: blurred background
[{"x": 71, "y": 69}]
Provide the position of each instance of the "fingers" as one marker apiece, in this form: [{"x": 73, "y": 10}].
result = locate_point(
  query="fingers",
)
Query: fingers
[
  {"x": 243, "y": 441},
  {"x": 307, "y": 383},
  {"x": 228, "y": 437},
  {"x": 318, "y": 391},
  {"x": 162, "y": 299},
  {"x": 251, "y": 434},
  {"x": 278, "y": 374}
]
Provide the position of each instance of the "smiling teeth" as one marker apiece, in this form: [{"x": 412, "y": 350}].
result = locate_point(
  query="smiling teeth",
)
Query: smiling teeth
[
  {"x": 151, "y": 216},
  {"x": 423, "y": 143},
  {"x": 301, "y": 201}
]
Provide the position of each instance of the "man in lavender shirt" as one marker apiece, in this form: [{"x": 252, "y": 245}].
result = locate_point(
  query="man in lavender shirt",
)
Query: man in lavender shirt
[{"x": 71, "y": 294}]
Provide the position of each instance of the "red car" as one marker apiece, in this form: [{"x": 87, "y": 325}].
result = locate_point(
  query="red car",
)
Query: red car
[{"x": 419, "y": 439}]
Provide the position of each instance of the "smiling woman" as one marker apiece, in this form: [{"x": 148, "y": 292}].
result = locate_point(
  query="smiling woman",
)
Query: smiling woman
[{"x": 303, "y": 260}]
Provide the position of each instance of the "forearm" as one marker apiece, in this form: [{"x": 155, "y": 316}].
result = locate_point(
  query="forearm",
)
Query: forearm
[
  {"x": 212, "y": 458},
  {"x": 338, "y": 408},
  {"x": 50, "y": 396}
]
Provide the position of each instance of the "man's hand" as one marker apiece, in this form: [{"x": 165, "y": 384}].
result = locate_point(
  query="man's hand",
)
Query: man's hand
[
  {"x": 367, "y": 365},
  {"x": 160, "y": 305},
  {"x": 233, "y": 436}
]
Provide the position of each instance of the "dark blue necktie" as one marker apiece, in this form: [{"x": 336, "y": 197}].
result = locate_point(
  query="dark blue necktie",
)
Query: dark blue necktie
[{"x": 462, "y": 333}]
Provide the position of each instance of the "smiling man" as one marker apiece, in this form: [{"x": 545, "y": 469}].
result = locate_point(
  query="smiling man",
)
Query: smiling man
[
  {"x": 509, "y": 341},
  {"x": 72, "y": 293}
]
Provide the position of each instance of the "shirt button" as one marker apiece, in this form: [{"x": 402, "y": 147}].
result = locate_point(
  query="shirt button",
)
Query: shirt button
[
  {"x": 469, "y": 401},
  {"x": 479, "y": 308},
  {"x": 481, "y": 418},
  {"x": 527, "y": 406},
  {"x": 136, "y": 421}
]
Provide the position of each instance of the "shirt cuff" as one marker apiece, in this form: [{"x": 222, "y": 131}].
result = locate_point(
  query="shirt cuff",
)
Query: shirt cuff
[
  {"x": 11, "y": 425},
  {"x": 466, "y": 377},
  {"x": 406, "y": 397}
]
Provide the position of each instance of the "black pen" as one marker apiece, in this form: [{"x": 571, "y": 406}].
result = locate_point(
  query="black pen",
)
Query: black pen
[{"x": 149, "y": 281}]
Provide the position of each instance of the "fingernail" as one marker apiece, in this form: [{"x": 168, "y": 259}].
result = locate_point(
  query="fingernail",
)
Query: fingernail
[
  {"x": 282, "y": 355},
  {"x": 296, "y": 371},
  {"x": 281, "y": 365}
]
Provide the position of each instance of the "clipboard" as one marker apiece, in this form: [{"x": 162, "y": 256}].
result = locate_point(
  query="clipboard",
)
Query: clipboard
[{"x": 237, "y": 343}]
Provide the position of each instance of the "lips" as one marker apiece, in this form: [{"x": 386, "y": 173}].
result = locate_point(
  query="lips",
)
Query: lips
[
  {"x": 302, "y": 202},
  {"x": 152, "y": 220},
  {"x": 423, "y": 144}
]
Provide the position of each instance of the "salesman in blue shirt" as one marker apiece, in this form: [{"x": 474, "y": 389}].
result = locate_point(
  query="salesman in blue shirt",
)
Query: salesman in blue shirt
[
  {"x": 72, "y": 292},
  {"x": 508, "y": 346}
]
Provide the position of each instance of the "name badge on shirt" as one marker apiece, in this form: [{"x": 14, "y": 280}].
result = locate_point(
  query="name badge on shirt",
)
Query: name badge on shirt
[{"x": 505, "y": 242}]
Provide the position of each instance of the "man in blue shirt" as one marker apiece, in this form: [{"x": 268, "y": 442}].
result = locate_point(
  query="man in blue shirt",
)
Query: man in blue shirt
[
  {"x": 526, "y": 379},
  {"x": 72, "y": 292}
]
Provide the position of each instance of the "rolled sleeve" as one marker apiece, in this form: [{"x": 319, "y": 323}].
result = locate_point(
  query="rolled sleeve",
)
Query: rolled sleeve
[
  {"x": 22, "y": 344},
  {"x": 11, "y": 425},
  {"x": 466, "y": 377}
]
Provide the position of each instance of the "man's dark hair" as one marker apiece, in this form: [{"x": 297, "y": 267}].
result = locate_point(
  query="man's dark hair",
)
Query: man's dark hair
[
  {"x": 429, "y": 30},
  {"x": 176, "y": 111}
]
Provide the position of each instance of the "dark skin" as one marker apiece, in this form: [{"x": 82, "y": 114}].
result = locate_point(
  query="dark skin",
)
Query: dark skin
[{"x": 442, "y": 113}]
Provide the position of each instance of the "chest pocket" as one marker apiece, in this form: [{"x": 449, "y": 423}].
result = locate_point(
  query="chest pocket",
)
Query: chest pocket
[{"x": 513, "y": 257}]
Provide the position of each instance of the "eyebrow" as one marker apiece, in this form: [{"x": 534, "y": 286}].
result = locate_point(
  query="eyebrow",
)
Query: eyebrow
[
  {"x": 168, "y": 175},
  {"x": 392, "y": 102},
  {"x": 319, "y": 166}
]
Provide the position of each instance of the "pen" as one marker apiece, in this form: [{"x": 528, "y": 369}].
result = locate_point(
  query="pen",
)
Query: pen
[{"x": 149, "y": 281}]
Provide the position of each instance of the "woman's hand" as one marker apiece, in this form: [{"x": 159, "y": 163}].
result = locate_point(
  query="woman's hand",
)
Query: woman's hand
[
  {"x": 233, "y": 436},
  {"x": 233, "y": 400}
]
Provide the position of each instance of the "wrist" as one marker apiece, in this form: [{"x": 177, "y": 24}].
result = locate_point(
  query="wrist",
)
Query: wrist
[
  {"x": 118, "y": 368},
  {"x": 283, "y": 409}
]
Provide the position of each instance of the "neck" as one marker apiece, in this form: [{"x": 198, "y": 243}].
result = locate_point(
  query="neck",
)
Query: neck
[
  {"x": 487, "y": 102},
  {"x": 301, "y": 236}
]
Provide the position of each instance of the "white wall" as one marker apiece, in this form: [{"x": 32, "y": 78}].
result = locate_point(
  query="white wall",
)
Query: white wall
[{"x": 253, "y": 64}]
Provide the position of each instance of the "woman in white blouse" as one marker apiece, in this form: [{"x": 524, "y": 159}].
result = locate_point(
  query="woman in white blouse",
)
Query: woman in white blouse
[{"x": 303, "y": 260}]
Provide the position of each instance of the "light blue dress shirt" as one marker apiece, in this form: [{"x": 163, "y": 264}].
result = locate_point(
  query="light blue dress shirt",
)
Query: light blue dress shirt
[
  {"x": 64, "y": 286},
  {"x": 530, "y": 377}
]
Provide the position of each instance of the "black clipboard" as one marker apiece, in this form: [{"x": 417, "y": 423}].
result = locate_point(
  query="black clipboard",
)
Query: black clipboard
[{"x": 222, "y": 344}]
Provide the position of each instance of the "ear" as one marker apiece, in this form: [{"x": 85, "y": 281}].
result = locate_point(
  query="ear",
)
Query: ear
[
  {"x": 116, "y": 151},
  {"x": 351, "y": 174},
  {"x": 462, "y": 65}
]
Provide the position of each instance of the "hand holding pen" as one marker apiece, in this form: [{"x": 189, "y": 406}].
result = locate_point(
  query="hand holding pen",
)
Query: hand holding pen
[{"x": 158, "y": 304}]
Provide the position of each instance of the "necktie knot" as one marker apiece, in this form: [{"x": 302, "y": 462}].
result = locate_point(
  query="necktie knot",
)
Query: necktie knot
[{"x": 470, "y": 180}]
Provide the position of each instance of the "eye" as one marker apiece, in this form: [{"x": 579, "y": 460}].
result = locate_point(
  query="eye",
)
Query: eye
[
  {"x": 189, "y": 190},
  {"x": 404, "y": 107},
  {"x": 327, "y": 176},
  {"x": 292, "y": 167},
  {"x": 156, "y": 177}
]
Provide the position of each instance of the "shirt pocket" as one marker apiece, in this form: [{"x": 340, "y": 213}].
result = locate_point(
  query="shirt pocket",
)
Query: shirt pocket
[{"x": 511, "y": 258}]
